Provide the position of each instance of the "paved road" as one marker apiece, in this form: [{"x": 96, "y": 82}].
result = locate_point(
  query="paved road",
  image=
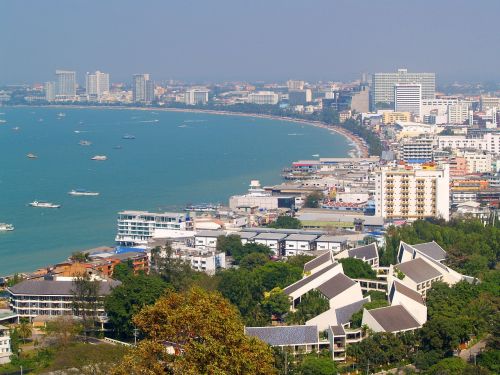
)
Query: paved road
[{"x": 468, "y": 354}]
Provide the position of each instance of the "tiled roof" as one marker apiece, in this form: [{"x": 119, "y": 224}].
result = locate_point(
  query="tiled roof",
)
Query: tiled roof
[
  {"x": 344, "y": 313},
  {"x": 301, "y": 237},
  {"x": 246, "y": 235},
  {"x": 316, "y": 262},
  {"x": 210, "y": 233},
  {"x": 285, "y": 335},
  {"x": 327, "y": 238},
  {"x": 432, "y": 250},
  {"x": 364, "y": 252},
  {"x": 338, "y": 330},
  {"x": 270, "y": 236},
  {"x": 410, "y": 293},
  {"x": 55, "y": 287},
  {"x": 299, "y": 284},
  {"x": 394, "y": 318},
  {"x": 418, "y": 270},
  {"x": 336, "y": 285}
]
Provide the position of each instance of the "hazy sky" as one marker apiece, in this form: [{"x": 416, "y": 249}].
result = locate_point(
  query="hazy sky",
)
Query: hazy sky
[{"x": 208, "y": 40}]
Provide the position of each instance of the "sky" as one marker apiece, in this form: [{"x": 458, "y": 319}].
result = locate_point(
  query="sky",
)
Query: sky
[{"x": 253, "y": 40}]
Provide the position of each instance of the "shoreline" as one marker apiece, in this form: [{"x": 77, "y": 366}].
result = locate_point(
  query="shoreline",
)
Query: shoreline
[{"x": 358, "y": 145}]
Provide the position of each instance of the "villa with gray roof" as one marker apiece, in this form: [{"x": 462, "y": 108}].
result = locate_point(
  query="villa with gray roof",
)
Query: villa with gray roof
[
  {"x": 331, "y": 243},
  {"x": 430, "y": 250},
  {"x": 318, "y": 263},
  {"x": 419, "y": 275},
  {"x": 300, "y": 338},
  {"x": 392, "y": 319},
  {"x": 366, "y": 253},
  {"x": 275, "y": 241},
  {"x": 296, "y": 244}
]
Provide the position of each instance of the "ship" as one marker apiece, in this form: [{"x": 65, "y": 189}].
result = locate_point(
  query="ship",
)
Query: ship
[
  {"x": 31, "y": 156},
  {"x": 100, "y": 157},
  {"x": 41, "y": 204},
  {"x": 84, "y": 143},
  {"x": 83, "y": 193},
  {"x": 128, "y": 136},
  {"x": 4, "y": 227}
]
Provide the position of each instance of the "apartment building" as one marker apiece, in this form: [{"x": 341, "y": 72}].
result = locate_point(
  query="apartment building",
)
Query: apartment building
[
  {"x": 417, "y": 150},
  {"x": 5, "y": 351},
  {"x": 389, "y": 117},
  {"x": 406, "y": 192},
  {"x": 484, "y": 142},
  {"x": 263, "y": 97}
]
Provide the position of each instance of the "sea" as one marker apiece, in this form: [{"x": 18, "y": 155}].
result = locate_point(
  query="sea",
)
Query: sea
[{"x": 176, "y": 158}]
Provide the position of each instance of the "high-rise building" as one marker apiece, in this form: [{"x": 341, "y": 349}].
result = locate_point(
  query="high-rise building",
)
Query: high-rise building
[
  {"x": 382, "y": 90},
  {"x": 410, "y": 193},
  {"x": 196, "y": 96},
  {"x": 408, "y": 98},
  {"x": 295, "y": 85},
  {"x": 50, "y": 91},
  {"x": 488, "y": 102},
  {"x": 299, "y": 97},
  {"x": 97, "y": 84},
  {"x": 65, "y": 85},
  {"x": 142, "y": 91},
  {"x": 263, "y": 97}
]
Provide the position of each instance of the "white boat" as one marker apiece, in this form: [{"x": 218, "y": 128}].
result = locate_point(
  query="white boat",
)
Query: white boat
[
  {"x": 4, "y": 227},
  {"x": 315, "y": 155},
  {"x": 2, "y": 121},
  {"x": 16, "y": 128},
  {"x": 61, "y": 114},
  {"x": 41, "y": 204},
  {"x": 128, "y": 136},
  {"x": 84, "y": 143},
  {"x": 83, "y": 193},
  {"x": 31, "y": 156},
  {"x": 100, "y": 157}
]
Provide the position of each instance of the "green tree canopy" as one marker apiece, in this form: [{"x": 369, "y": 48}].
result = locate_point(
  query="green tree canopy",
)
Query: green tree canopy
[
  {"x": 357, "y": 269},
  {"x": 311, "y": 305},
  {"x": 286, "y": 222},
  {"x": 314, "y": 199}
]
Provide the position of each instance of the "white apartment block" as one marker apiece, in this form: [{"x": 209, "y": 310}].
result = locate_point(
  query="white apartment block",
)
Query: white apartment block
[
  {"x": 97, "y": 84},
  {"x": 263, "y": 97},
  {"x": 488, "y": 142},
  {"x": 412, "y": 193},
  {"x": 383, "y": 85},
  {"x": 458, "y": 113},
  {"x": 50, "y": 91},
  {"x": 417, "y": 150},
  {"x": 65, "y": 85},
  {"x": 5, "y": 351},
  {"x": 489, "y": 102},
  {"x": 408, "y": 98},
  {"x": 196, "y": 96},
  {"x": 138, "y": 227},
  {"x": 201, "y": 260},
  {"x": 478, "y": 162}
]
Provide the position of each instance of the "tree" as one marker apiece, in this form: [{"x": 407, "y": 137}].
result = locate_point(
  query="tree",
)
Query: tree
[
  {"x": 174, "y": 271},
  {"x": 62, "y": 330},
  {"x": 79, "y": 256},
  {"x": 25, "y": 329},
  {"x": 123, "y": 271},
  {"x": 250, "y": 248},
  {"x": 286, "y": 222},
  {"x": 86, "y": 301},
  {"x": 204, "y": 329},
  {"x": 253, "y": 260},
  {"x": 311, "y": 305},
  {"x": 317, "y": 366},
  {"x": 276, "y": 303},
  {"x": 129, "y": 298},
  {"x": 448, "y": 366},
  {"x": 230, "y": 245},
  {"x": 357, "y": 269},
  {"x": 314, "y": 199}
]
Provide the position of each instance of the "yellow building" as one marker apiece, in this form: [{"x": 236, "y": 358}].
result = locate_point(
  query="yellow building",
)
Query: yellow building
[{"x": 390, "y": 118}]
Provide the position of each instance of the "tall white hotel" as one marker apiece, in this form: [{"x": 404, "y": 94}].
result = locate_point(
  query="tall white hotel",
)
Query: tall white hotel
[
  {"x": 382, "y": 88},
  {"x": 97, "y": 84},
  {"x": 65, "y": 85},
  {"x": 408, "y": 98}
]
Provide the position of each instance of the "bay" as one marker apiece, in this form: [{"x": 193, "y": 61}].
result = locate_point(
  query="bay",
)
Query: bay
[{"x": 176, "y": 158}]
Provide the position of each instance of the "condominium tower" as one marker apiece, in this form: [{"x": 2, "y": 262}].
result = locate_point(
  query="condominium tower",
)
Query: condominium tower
[
  {"x": 142, "y": 89},
  {"x": 408, "y": 98},
  {"x": 196, "y": 96},
  {"x": 65, "y": 85},
  {"x": 97, "y": 84},
  {"x": 410, "y": 193},
  {"x": 382, "y": 90}
]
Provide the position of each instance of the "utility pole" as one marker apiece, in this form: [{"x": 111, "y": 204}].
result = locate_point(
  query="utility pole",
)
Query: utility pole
[
  {"x": 136, "y": 333},
  {"x": 368, "y": 368}
]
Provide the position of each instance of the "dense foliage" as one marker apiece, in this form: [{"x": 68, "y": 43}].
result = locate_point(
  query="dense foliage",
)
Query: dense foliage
[
  {"x": 357, "y": 269},
  {"x": 286, "y": 222},
  {"x": 314, "y": 199},
  {"x": 311, "y": 305}
]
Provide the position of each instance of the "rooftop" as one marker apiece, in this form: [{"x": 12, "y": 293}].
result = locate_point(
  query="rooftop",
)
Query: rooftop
[
  {"x": 338, "y": 330},
  {"x": 285, "y": 335},
  {"x": 55, "y": 287},
  {"x": 344, "y": 313},
  {"x": 316, "y": 262},
  {"x": 299, "y": 284},
  {"x": 270, "y": 236},
  {"x": 432, "y": 250},
  {"x": 418, "y": 270},
  {"x": 210, "y": 233},
  {"x": 301, "y": 237},
  {"x": 336, "y": 285},
  {"x": 394, "y": 318},
  {"x": 364, "y": 252},
  {"x": 410, "y": 293}
]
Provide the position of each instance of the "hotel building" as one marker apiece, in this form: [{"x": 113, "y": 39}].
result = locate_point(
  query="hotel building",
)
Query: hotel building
[
  {"x": 142, "y": 89},
  {"x": 196, "y": 96},
  {"x": 263, "y": 97},
  {"x": 5, "y": 351},
  {"x": 97, "y": 84},
  {"x": 408, "y": 98},
  {"x": 65, "y": 85},
  {"x": 411, "y": 193}
]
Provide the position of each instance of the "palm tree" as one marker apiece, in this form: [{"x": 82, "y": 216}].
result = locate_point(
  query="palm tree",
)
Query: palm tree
[{"x": 25, "y": 330}]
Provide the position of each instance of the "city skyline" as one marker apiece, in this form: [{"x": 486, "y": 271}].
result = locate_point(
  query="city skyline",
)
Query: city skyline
[{"x": 239, "y": 41}]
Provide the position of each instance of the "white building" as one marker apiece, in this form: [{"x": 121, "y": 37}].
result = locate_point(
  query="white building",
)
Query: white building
[
  {"x": 382, "y": 88},
  {"x": 142, "y": 89},
  {"x": 50, "y": 91},
  {"x": 260, "y": 199},
  {"x": 196, "y": 97},
  {"x": 295, "y": 84},
  {"x": 96, "y": 85},
  {"x": 408, "y": 98},
  {"x": 406, "y": 192},
  {"x": 275, "y": 241},
  {"x": 201, "y": 260},
  {"x": 417, "y": 150},
  {"x": 65, "y": 85},
  {"x": 458, "y": 113},
  {"x": 263, "y": 97},
  {"x": 488, "y": 142},
  {"x": 207, "y": 239},
  {"x": 5, "y": 351},
  {"x": 478, "y": 162},
  {"x": 138, "y": 227},
  {"x": 331, "y": 243},
  {"x": 296, "y": 244}
]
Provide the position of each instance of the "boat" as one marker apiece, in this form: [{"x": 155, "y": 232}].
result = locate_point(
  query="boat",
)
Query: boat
[
  {"x": 100, "y": 157},
  {"x": 128, "y": 136},
  {"x": 61, "y": 114},
  {"x": 2, "y": 121},
  {"x": 315, "y": 155},
  {"x": 4, "y": 227},
  {"x": 16, "y": 128},
  {"x": 42, "y": 204},
  {"x": 117, "y": 147},
  {"x": 203, "y": 207},
  {"x": 32, "y": 156},
  {"x": 83, "y": 193},
  {"x": 84, "y": 143}
]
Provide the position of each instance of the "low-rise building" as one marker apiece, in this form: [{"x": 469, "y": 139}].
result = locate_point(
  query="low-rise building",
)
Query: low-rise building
[
  {"x": 296, "y": 244},
  {"x": 5, "y": 350},
  {"x": 275, "y": 241},
  {"x": 207, "y": 239}
]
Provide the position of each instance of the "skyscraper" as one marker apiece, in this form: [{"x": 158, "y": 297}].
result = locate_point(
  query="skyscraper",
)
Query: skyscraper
[
  {"x": 408, "y": 98},
  {"x": 65, "y": 85},
  {"x": 142, "y": 89},
  {"x": 97, "y": 84},
  {"x": 196, "y": 96},
  {"x": 382, "y": 90},
  {"x": 50, "y": 91}
]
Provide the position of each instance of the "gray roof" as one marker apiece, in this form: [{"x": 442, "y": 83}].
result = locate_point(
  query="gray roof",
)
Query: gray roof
[
  {"x": 338, "y": 330},
  {"x": 432, "y": 250},
  {"x": 410, "y": 293},
  {"x": 344, "y": 313},
  {"x": 55, "y": 288},
  {"x": 301, "y": 237},
  {"x": 299, "y": 284},
  {"x": 246, "y": 235},
  {"x": 270, "y": 236},
  {"x": 336, "y": 285},
  {"x": 394, "y": 318},
  {"x": 316, "y": 262},
  {"x": 327, "y": 238},
  {"x": 285, "y": 335},
  {"x": 340, "y": 217},
  {"x": 210, "y": 233},
  {"x": 364, "y": 252},
  {"x": 418, "y": 270}
]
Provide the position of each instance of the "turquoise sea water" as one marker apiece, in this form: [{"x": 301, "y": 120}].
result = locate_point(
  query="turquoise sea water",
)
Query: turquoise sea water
[{"x": 176, "y": 158}]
